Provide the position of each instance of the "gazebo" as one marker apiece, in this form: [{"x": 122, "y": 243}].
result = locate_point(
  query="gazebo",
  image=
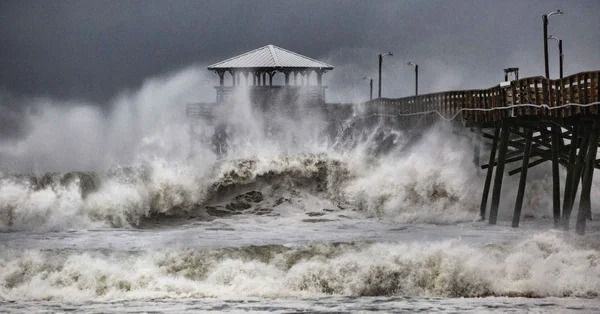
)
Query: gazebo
[{"x": 257, "y": 71}]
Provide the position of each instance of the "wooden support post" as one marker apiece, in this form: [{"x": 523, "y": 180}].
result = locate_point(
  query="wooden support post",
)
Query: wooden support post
[
  {"x": 488, "y": 176},
  {"x": 555, "y": 174},
  {"x": 523, "y": 179},
  {"x": 578, "y": 168},
  {"x": 476, "y": 147},
  {"x": 585, "y": 205},
  {"x": 569, "y": 195},
  {"x": 499, "y": 171}
]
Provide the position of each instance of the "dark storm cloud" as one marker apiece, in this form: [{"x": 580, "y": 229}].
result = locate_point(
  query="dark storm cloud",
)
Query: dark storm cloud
[{"x": 93, "y": 49}]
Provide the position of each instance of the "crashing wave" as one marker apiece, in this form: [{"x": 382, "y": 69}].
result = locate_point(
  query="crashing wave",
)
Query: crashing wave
[
  {"x": 127, "y": 196},
  {"x": 539, "y": 266},
  {"x": 379, "y": 172}
]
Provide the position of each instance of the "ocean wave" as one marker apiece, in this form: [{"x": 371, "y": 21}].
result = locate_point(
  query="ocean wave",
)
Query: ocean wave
[
  {"x": 125, "y": 197},
  {"x": 541, "y": 265}
]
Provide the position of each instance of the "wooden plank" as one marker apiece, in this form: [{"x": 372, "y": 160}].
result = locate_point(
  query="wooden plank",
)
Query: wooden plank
[
  {"x": 575, "y": 99},
  {"x": 547, "y": 95},
  {"x": 508, "y": 160},
  {"x": 531, "y": 165},
  {"x": 586, "y": 86},
  {"x": 513, "y": 96}
]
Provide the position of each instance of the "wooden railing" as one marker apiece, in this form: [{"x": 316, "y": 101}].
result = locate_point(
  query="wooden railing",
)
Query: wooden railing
[{"x": 580, "y": 88}]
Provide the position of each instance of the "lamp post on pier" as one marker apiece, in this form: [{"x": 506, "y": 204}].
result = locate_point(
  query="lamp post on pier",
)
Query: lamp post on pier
[
  {"x": 545, "y": 18},
  {"x": 381, "y": 55},
  {"x": 560, "y": 54},
  {"x": 416, "y": 76},
  {"x": 370, "y": 86}
]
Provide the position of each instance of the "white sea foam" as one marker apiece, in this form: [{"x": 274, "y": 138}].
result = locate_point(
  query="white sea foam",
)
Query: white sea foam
[{"x": 540, "y": 265}]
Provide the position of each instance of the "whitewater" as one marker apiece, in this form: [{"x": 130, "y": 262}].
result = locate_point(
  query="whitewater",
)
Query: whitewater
[{"x": 127, "y": 209}]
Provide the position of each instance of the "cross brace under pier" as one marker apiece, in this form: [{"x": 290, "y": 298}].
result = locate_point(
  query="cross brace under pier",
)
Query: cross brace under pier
[{"x": 572, "y": 143}]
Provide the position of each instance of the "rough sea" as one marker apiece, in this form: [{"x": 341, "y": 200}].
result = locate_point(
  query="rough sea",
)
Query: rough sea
[{"x": 134, "y": 211}]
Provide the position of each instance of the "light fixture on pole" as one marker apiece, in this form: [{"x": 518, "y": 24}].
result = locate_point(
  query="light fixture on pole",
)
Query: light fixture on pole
[
  {"x": 545, "y": 18},
  {"x": 370, "y": 86},
  {"x": 381, "y": 55},
  {"x": 560, "y": 54},
  {"x": 416, "y": 76}
]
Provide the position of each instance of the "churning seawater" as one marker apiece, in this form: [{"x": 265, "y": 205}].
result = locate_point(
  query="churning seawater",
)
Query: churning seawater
[{"x": 295, "y": 216}]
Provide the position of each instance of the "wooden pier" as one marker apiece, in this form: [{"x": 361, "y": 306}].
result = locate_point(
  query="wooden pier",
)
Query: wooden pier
[{"x": 530, "y": 121}]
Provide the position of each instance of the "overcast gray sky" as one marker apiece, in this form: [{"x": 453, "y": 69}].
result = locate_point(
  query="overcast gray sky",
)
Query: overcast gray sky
[{"x": 92, "y": 50}]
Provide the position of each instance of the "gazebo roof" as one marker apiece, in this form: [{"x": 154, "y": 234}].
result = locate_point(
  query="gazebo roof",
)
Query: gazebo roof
[{"x": 271, "y": 57}]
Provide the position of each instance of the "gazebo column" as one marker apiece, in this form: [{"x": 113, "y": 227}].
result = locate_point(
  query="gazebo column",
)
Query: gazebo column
[
  {"x": 271, "y": 74},
  {"x": 264, "y": 78},
  {"x": 287, "y": 77},
  {"x": 319, "y": 78},
  {"x": 246, "y": 78},
  {"x": 221, "y": 77},
  {"x": 295, "y": 78},
  {"x": 232, "y": 77}
]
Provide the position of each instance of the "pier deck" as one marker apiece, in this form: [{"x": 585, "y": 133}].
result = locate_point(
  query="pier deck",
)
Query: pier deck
[{"x": 532, "y": 121}]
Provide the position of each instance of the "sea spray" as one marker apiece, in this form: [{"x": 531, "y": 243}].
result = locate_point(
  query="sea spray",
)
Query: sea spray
[{"x": 147, "y": 163}]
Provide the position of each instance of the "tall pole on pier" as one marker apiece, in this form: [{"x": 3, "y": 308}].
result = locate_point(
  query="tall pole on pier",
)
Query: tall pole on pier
[
  {"x": 416, "y": 79},
  {"x": 561, "y": 57},
  {"x": 380, "y": 64},
  {"x": 560, "y": 54},
  {"x": 416, "y": 76},
  {"x": 555, "y": 130},
  {"x": 545, "y": 22},
  {"x": 370, "y": 86}
]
